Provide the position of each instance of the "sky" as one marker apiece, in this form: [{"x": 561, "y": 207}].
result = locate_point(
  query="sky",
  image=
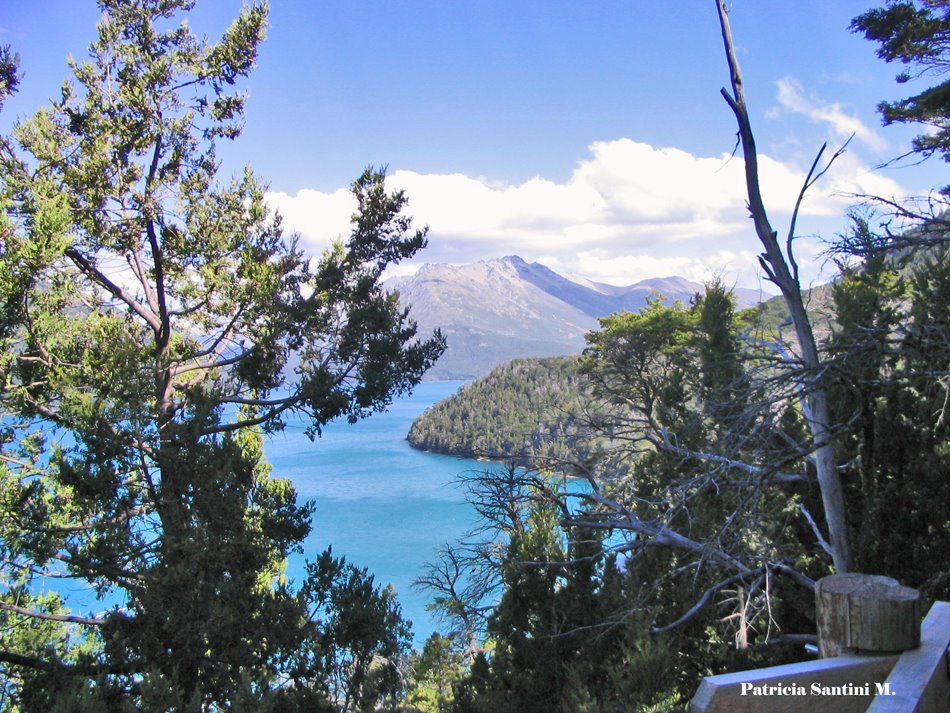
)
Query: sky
[{"x": 588, "y": 136}]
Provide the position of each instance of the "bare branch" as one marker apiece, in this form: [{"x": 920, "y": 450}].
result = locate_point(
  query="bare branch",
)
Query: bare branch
[
  {"x": 814, "y": 527},
  {"x": 100, "y": 278},
  {"x": 67, "y": 618},
  {"x": 810, "y": 180},
  {"x": 818, "y": 416},
  {"x": 699, "y": 605}
]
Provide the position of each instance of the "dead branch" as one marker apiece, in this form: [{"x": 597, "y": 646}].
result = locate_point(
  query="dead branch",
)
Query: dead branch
[{"x": 777, "y": 267}]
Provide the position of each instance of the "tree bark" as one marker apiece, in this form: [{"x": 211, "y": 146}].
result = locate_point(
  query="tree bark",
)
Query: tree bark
[{"x": 786, "y": 279}]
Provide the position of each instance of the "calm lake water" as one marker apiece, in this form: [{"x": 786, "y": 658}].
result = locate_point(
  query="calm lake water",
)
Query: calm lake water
[{"x": 379, "y": 503}]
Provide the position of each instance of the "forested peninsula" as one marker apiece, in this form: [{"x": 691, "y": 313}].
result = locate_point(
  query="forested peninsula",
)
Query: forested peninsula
[
  {"x": 538, "y": 410},
  {"x": 523, "y": 411}
]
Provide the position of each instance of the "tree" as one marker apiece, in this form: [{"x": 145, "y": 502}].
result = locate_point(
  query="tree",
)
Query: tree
[
  {"x": 782, "y": 270},
  {"x": 152, "y": 319},
  {"x": 361, "y": 641},
  {"x": 9, "y": 79},
  {"x": 559, "y": 633},
  {"x": 704, "y": 466},
  {"x": 437, "y": 670},
  {"x": 891, "y": 341},
  {"x": 915, "y": 33},
  {"x": 699, "y": 470},
  {"x": 891, "y": 309},
  {"x": 717, "y": 448}
]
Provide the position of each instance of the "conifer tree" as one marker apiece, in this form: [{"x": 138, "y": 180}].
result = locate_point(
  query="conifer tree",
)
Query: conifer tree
[
  {"x": 153, "y": 317},
  {"x": 915, "y": 33}
]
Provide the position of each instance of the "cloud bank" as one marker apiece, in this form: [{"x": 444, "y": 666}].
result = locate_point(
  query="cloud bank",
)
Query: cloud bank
[{"x": 628, "y": 211}]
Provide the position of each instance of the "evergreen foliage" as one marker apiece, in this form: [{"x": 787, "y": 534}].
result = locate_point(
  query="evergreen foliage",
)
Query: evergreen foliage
[
  {"x": 705, "y": 459},
  {"x": 699, "y": 461},
  {"x": 437, "y": 670},
  {"x": 154, "y": 320},
  {"x": 557, "y": 636},
  {"x": 527, "y": 411},
  {"x": 893, "y": 345},
  {"x": 915, "y": 33}
]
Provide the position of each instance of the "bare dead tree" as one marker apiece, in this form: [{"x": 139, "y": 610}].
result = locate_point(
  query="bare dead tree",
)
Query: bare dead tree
[
  {"x": 465, "y": 578},
  {"x": 782, "y": 270},
  {"x": 749, "y": 463}
]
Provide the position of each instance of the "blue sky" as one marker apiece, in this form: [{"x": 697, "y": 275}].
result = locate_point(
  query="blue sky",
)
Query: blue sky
[{"x": 589, "y": 136}]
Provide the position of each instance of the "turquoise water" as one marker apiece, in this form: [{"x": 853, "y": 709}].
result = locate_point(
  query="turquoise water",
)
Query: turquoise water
[{"x": 379, "y": 503}]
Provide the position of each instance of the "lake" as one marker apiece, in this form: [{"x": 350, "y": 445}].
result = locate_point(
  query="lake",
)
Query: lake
[{"x": 380, "y": 503}]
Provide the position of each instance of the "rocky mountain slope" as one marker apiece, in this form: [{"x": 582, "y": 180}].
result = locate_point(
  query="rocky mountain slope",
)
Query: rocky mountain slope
[{"x": 497, "y": 310}]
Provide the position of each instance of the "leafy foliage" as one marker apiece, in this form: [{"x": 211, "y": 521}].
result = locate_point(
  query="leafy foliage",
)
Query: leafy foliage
[
  {"x": 711, "y": 457},
  {"x": 556, "y": 634},
  {"x": 437, "y": 671},
  {"x": 892, "y": 342},
  {"x": 360, "y": 637},
  {"x": 9, "y": 79},
  {"x": 693, "y": 541}
]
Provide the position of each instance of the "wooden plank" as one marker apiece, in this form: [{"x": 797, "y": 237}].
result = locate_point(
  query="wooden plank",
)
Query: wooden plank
[
  {"x": 845, "y": 684},
  {"x": 920, "y": 680}
]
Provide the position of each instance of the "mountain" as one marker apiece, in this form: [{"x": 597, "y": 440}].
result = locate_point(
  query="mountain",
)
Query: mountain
[{"x": 494, "y": 311}]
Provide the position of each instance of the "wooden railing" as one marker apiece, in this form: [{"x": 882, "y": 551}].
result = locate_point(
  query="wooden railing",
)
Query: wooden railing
[{"x": 876, "y": 659}]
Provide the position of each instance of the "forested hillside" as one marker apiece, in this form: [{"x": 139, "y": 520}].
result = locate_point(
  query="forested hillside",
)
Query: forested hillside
[{"x": 526, "y": 411}]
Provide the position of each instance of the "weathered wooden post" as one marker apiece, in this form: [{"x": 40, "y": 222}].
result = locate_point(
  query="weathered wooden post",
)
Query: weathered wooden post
[{"x": 862, "y": 613}]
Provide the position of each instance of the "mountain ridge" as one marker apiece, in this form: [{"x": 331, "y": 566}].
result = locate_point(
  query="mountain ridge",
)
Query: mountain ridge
[{"x": 493, "y": 311}]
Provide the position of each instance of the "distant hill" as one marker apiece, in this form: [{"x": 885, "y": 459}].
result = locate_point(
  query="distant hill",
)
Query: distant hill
[
  {"x": 494, "y": 311},
  {"x": 818, "y": 300}
]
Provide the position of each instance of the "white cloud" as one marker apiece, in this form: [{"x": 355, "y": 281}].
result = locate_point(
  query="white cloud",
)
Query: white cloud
[
  {"x": 791, "y": 95},
  {"x": 628, "y": 211},
  {"x": 319, "y": 218},
  {"x": 627, "y": 269}
]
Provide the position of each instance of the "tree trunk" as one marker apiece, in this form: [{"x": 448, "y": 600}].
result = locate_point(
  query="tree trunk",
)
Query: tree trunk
[{"x": 777, "y": 267}]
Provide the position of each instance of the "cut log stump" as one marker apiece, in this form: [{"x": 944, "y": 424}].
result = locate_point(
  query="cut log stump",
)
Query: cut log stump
[{"x": 862, "y": 613}]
